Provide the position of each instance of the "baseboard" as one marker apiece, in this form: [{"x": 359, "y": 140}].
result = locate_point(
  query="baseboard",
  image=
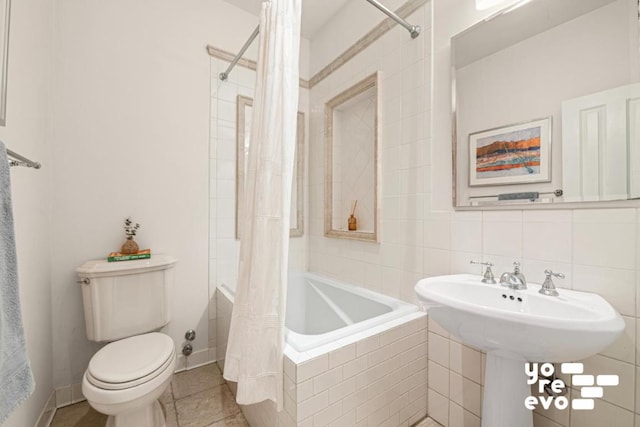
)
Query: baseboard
[
  {"x": 49, "y": 410},
  {"x": 196, "y": 359}
]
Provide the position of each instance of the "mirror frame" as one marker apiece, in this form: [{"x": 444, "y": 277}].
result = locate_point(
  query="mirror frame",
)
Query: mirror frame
[
  {"x": 372, "y": 81},
  {"x": 549, "y": 203},
  {"x": 242, "y": 102}
]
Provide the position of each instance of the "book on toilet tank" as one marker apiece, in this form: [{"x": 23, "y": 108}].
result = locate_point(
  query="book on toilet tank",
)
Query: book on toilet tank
[{"x": 117, "y": 256}]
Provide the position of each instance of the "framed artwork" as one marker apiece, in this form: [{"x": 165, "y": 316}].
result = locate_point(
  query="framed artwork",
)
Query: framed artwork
[{"x": 514, "y": 154}]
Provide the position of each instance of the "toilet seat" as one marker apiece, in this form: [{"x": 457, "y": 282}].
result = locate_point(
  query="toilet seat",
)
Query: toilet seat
[{"x": 130, "y": 362}]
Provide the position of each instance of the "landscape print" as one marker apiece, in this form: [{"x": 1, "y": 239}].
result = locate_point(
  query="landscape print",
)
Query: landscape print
[{"x": 509, "y": 155}]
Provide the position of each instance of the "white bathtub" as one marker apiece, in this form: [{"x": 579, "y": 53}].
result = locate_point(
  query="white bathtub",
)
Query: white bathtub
[
  {"x": 321, "y": 310},
  {"x": 339, "y": 335}
]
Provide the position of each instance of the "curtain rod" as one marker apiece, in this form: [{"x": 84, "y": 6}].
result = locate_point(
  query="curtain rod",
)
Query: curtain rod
[
  {"x": 22, "y": 161},
  {"x": 414, "y": 30},
  {"x": 225, "y": 74}
]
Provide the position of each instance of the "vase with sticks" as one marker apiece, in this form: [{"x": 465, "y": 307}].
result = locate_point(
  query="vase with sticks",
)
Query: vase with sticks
[
  {"x": 352, "y": 221},
  {"x": 130, "y": 230}
]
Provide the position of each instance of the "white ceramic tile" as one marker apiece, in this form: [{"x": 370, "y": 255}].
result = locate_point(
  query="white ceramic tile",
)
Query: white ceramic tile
[
  {"x": 327, "y": 379},
  {"x": 616, "y": 286},
  {"x": 624, "y": 347},
  {"x": 459, "y": 417},
  {"x": 465, "y": 393},
  {"x": 598, "y": 216},
  {"x": 439, "y": 349},
  {"x": 312, "y": 368},
  {"x": 547, "y": 241},
  {"x": 438, "y": 407},
  {"x": 466, "y": 236},
  {"x": 604, "y": 414},
  {"x": 437, "y": 233},
  {"x": 439, "y": 378},
  {"x": 342, "y": 355},
  {"x": 624, "y": 393},
  {"x": 313, "y": 405},
  {"x": 609, "y": 245},
  {"x": 502, "y": 238},
  {"x": 466, "y": 361}
]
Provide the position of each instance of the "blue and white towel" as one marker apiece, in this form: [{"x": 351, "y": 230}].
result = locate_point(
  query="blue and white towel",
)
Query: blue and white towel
[{"x": 16, "y": 380}]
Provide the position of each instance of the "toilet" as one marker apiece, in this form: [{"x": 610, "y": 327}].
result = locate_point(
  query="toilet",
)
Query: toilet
[{"x": 125, "y": 303}]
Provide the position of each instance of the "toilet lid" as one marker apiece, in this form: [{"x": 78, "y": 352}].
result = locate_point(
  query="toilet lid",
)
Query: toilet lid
[{"x": 131, "y": 361}]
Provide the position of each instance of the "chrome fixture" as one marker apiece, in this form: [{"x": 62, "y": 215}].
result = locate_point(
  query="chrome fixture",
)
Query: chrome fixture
[
  {"x": 225, "y": 75},
  {"x": 19, "y": 160},
  {"x": 190, "y": 335},
  {"x": 548, "y": 288},
  {"x": 414, "y": 30},
  {"x": 487, "y": 277},
  {"x": 515, "y": 280}
]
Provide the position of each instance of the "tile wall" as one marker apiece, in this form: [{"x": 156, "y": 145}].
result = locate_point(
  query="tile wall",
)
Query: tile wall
[
  {"x": 597, "y": 250},
  {"x": 395, "y": 264}
]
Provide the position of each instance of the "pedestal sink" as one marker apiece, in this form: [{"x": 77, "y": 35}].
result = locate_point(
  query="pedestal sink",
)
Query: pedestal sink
[{"x": 514, "y": 327}]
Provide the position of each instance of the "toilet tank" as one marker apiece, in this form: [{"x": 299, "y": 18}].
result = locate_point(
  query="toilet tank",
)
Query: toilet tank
[{"x": 126, "y": 298}]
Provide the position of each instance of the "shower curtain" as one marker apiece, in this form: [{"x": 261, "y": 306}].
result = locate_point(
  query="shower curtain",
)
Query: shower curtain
[{"x": 256, "y": 337}]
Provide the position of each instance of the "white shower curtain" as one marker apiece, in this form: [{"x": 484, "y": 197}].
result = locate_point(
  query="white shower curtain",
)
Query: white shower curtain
[{"x": 256, "y": 337}]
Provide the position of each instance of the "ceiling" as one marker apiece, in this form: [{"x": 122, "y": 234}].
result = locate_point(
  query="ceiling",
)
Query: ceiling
[{"x": 315, "y": 13}]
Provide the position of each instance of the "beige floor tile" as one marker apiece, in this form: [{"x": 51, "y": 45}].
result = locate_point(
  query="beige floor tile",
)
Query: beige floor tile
[
  {"x": 198, "y": 397},
  {"x": 78, "y": 415},
  {"x": 207, "y": 407},
  {"x": 196, "y": 380},
  {"x": 234, "y": 421}
]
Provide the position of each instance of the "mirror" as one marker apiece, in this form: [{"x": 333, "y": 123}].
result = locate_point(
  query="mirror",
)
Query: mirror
[
  {"x": 352, "y": 162},
  {"x": 546, "y": 104},
  {"x": 243, "y": 132}
]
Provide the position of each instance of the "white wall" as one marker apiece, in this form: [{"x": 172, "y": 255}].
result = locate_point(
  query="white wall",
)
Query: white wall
[
  {"x": 130, "y": 136},
  {"x": 26, "y": 132}
]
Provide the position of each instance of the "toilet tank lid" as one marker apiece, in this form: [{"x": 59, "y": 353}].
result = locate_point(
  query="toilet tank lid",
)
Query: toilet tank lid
[{"x": 101, "y": 267}]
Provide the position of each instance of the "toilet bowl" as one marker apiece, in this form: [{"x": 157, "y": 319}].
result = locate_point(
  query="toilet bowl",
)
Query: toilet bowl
[{"x": 125, "y": 379}]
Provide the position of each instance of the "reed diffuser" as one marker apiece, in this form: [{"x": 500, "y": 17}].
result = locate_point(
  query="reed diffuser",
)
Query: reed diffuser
[{"x": 352, "y": 222}]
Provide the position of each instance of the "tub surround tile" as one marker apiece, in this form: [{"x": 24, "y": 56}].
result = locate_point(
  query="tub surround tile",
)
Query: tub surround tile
[
  {"x": 342, "y": 355},
  {"x": 312, "y": 368}
]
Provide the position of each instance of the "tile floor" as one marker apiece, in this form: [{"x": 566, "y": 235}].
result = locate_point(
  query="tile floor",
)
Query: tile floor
[{"x": 196, "y": 398}]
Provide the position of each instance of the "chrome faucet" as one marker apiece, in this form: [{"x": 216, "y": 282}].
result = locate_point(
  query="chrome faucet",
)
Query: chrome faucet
[
  {"x": 515, "y": 280},
  {"x": 548, "y": 288},
  {"x": 488, "y": 274}
]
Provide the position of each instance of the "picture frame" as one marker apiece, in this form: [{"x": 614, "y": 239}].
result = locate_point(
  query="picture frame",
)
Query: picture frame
[
  {"x": 514, "y": 154},
  {"x": 244, "y": 108},
  {"x": 5, "y": 15}
]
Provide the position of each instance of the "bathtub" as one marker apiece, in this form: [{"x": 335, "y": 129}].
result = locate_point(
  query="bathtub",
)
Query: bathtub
[
  {"x": 321, "y": 310},
  {"x": 351, "y": 355}
]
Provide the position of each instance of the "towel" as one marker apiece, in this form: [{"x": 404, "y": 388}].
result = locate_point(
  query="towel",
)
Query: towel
[{"x": 16, "y": 379}]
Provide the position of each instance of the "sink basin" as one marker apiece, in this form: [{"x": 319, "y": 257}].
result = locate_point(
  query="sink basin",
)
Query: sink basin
[
  {"x": 535, "y": 327},
  {"x": 514, "y": 327}
]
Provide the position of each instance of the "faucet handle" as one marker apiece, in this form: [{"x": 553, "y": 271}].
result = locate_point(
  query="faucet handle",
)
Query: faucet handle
[
  {"x": 516, "y": 267},
  {"x": 548, "y": 288},
  {"x": 488, "y": 274}
]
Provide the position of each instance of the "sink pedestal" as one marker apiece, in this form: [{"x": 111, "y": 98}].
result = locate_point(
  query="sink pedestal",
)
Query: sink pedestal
[{"x": 505, "y": 389}]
